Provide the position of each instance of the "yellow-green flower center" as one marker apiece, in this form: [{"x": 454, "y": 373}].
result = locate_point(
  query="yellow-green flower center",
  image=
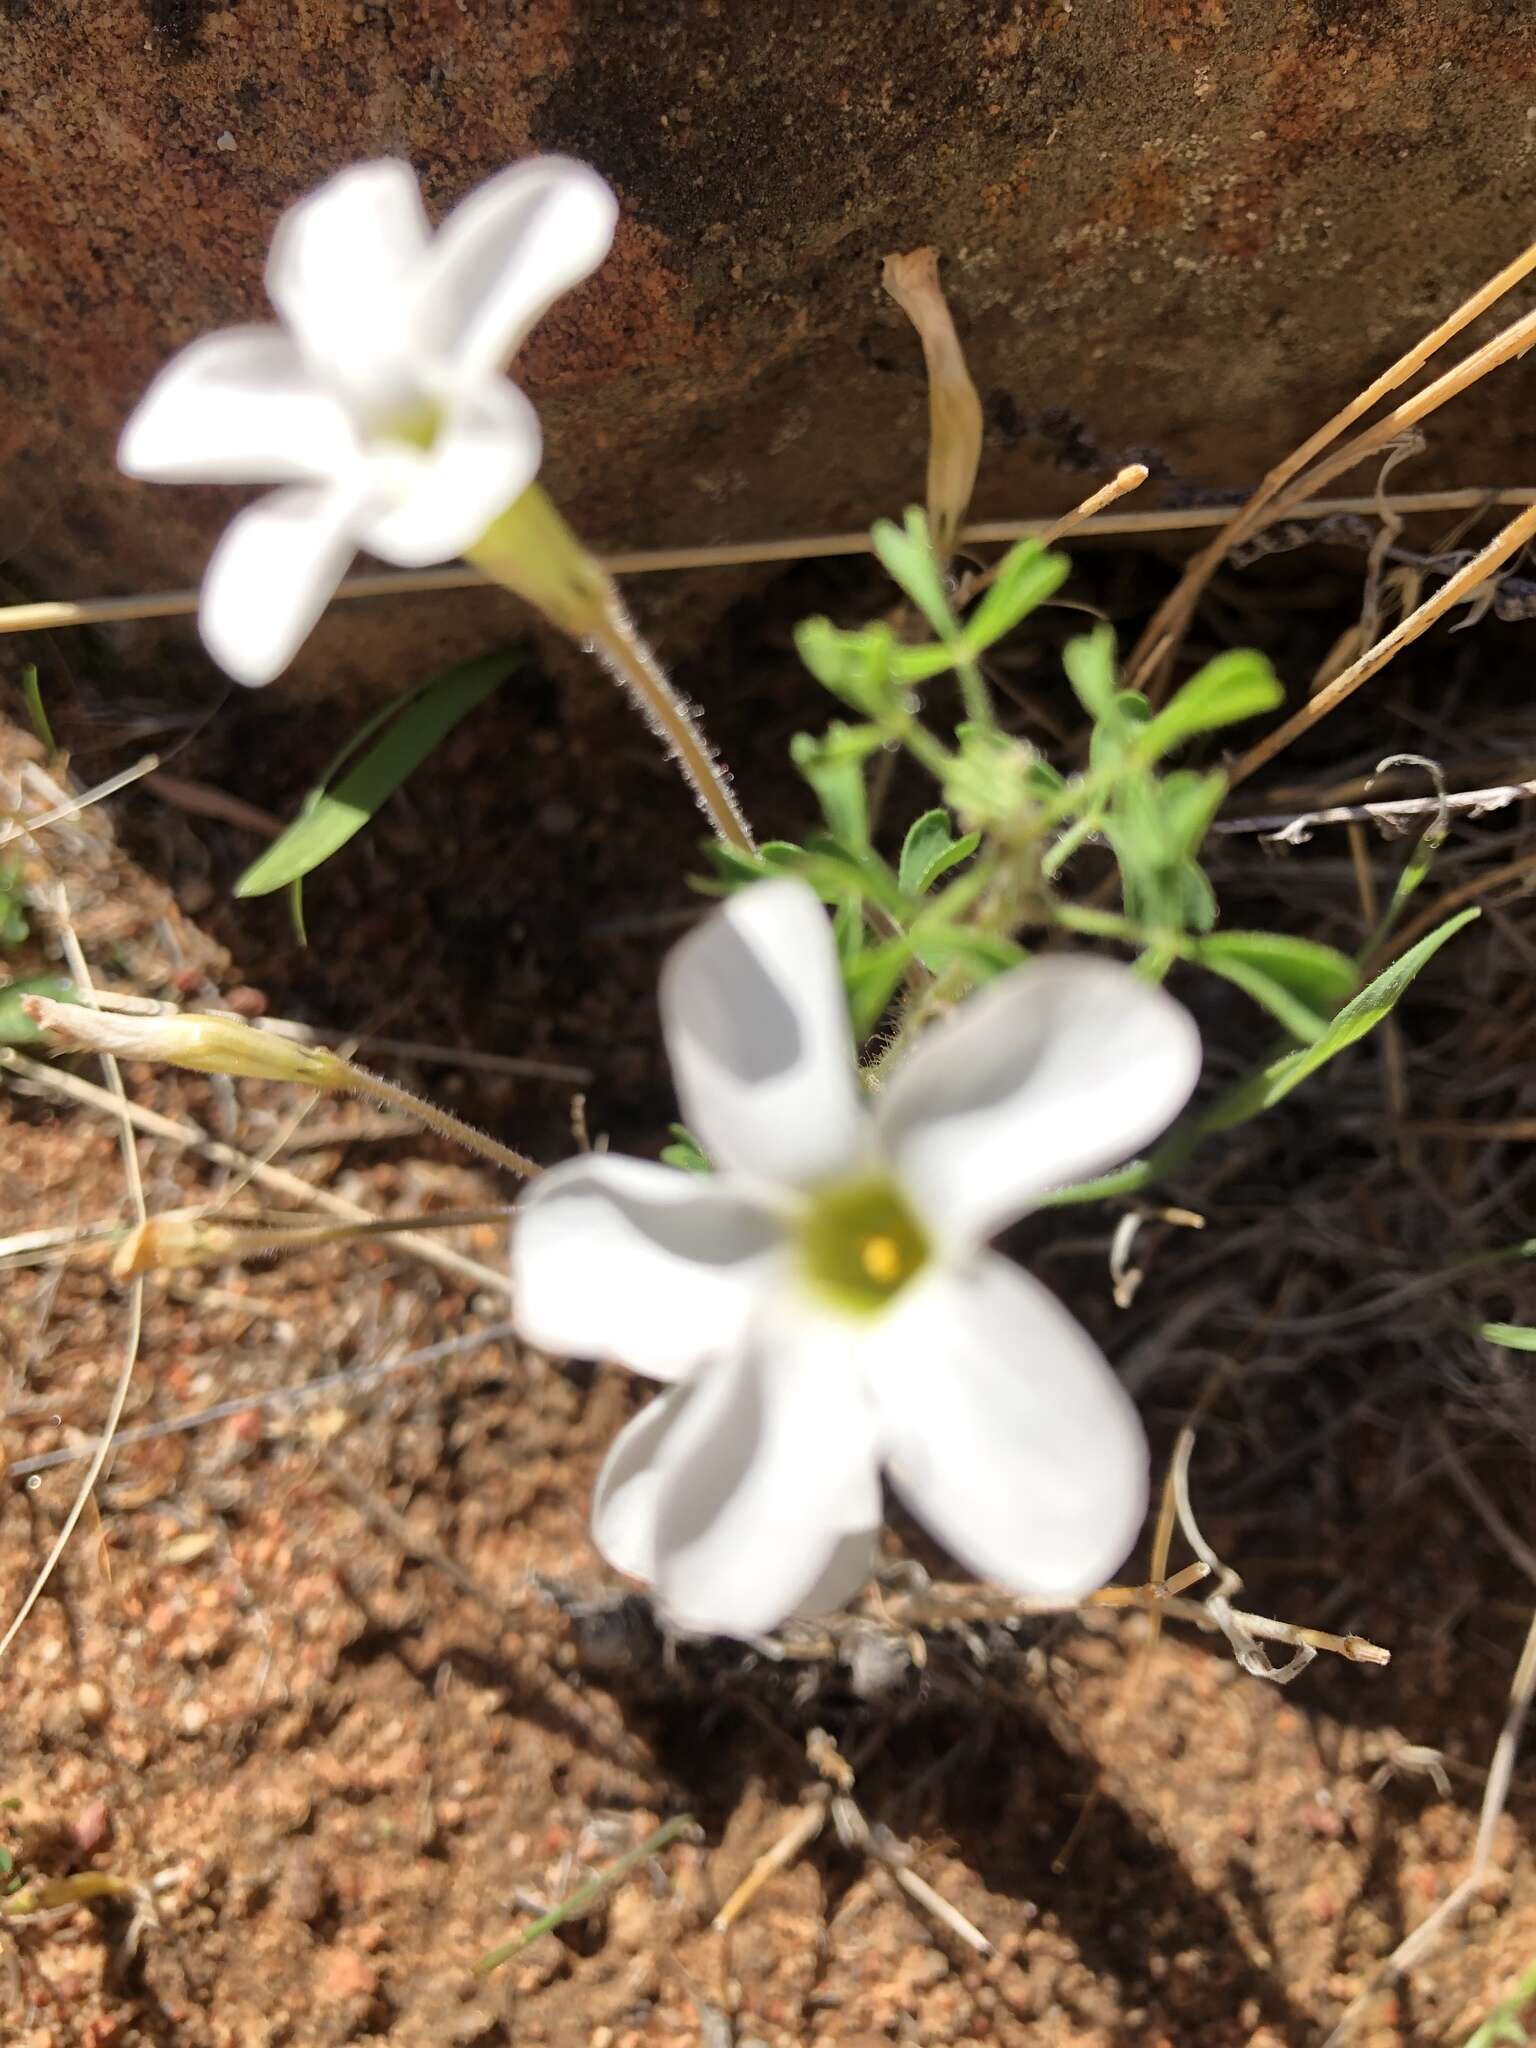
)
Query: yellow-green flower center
[
  {"x": 417, "y": 424},
  {"x": 860, "y": 1244}
]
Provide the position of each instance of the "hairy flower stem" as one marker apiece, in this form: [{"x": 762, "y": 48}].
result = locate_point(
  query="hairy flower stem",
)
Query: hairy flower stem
[
  {"x": 351, "y": 1080},
  {"x": 531, "y": 551}
]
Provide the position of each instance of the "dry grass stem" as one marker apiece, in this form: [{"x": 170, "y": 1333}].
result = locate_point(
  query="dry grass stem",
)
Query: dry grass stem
[
  {"x": 802, "y": 1830},
  {"x": 116, "y": 1096},
  {"x": 1169, "y": 622},
  {"x": 48, "y": 615},
  {"x": 352, "y": 1380},
  {"x": 192, "y": 1137},
  {"x": 1500, "y": 1771},
  {"x": 1455, "y": 590},
  {"x": 71, "y": 807},
  {"x": 1295, "y": 828}
]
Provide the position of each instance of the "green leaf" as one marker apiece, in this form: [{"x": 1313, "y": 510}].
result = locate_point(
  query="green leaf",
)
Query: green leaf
[
  {"x": 929, "y": 850},
  {"x": 984, "y": 955},
  {"x": 1282, "y": 1004},
  {"x": 1513, "y": 1336},
  {"x": 836, "y": 868},
  {"x": 1236, "y": 685},
  {"x": 327, "y": 823},
  {"x": 908, "y": 559},
  {"x": 738, "y": 871},
  {"x": 1316, "y": 975},
  {"x": 1275, "y": 1081},
  {"x": 834, "y": 767},
  {"x": 1042, "y": 780},
  {"x": 16, "y": 1027},
  {"x": 1191, "y": 798},
  {"x": 685, "y": 1152},
  {"x": 871, "y": 981},
  {"x": 1025, "y": 577},
  {"x": 1196, "y": 899},
  {"x": 32, "y": 695},
  {"x": 1090, "y": 666}
]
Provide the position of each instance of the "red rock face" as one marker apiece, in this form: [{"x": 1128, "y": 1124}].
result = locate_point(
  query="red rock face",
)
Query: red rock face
[{"x": 1178, "y": 229}]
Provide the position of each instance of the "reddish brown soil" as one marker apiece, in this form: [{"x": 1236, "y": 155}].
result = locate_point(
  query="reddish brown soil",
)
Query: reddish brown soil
[{"x": 297, "y": 1677}]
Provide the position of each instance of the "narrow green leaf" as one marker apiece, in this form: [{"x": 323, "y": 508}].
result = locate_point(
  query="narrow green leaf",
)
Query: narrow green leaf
[
  {"x": 1513, "y": 1336},
  {"x": 16, "y": 1027},
  {"x": 1236, "y": 685},
  {"x": 1413, "y": 873},
  {"x": 586, "y": 1894},
  {"x": 1317, "y": 975},
  {"x": 332, "y": 819},
  {"x": 1273, "y": 1082},
  {"x": 1286, "y": 1008},
  {"x": 32, "y": 695}
]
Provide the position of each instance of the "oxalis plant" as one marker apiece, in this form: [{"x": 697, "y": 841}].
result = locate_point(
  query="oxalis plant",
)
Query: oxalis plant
[{"x": 889, "y": 1038}]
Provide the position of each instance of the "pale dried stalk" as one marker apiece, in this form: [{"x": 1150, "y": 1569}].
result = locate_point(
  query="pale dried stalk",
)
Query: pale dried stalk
[
  {"x": 117, "y": 1099},
  {"x": 1454, "y": 591},
  {"x": 50, "y": 614},
  {"x": 26, "y": 827},
  {"x": 954, "y": 409},
  {"x": 1293, "y": 828},
  {"x": 192, "y": 1137},
  {"x": 1500, "y": 1771},
  {"x": 802, "y": 1830},
  {"x": 1168, "y": 623}
]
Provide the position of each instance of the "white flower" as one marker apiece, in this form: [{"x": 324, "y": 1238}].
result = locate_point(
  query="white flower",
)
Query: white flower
[
  {"x": 379, "y": 403},
  {"x": 825, "y": 1303}
]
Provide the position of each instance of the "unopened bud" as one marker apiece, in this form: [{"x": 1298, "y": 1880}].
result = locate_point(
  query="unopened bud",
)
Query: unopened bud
[
  {"x": 207, "y": 1044},
  {"x": 954, "y": 410}
]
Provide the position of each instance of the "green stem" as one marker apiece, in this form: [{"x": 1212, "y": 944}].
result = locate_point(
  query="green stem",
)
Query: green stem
[{"x": 1056, "y": 857}]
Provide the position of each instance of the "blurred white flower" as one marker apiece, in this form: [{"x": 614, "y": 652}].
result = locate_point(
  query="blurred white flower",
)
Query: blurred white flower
[
  {"x": 379, "y": 403},
  {"x": 825, "y": 1303}
]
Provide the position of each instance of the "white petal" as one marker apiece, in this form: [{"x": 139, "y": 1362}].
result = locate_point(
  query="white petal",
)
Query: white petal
[
  {"x": 763, "y": 1468},
  {"x": 1007, "y": 1434},
  {"x": 345, "y": 271},
  {"x": 627, "y": 1496},
  {"x": 616, "y": 1258},
  {"x": 485, "y": 456},
  {"x": 756, "y": 1024},
  {"x": 844, "y": 1575},
  {"x": 626, "y": 1507},
  {"x": 271, "y": 576},
  {"x": 236, "y": 407},
  {"x": 503, "y": 256},
  {"x": 1059, "y": 1070}
]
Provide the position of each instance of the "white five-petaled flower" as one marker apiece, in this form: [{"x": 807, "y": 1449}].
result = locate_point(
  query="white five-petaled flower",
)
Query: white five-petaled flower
[
  {"x": 825, "y": 1304},
  {"x": 379, "y": 403}
]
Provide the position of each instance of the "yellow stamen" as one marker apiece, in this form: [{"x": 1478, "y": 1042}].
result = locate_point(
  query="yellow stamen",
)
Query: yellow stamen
[{"x": 880, "y": 1257}]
